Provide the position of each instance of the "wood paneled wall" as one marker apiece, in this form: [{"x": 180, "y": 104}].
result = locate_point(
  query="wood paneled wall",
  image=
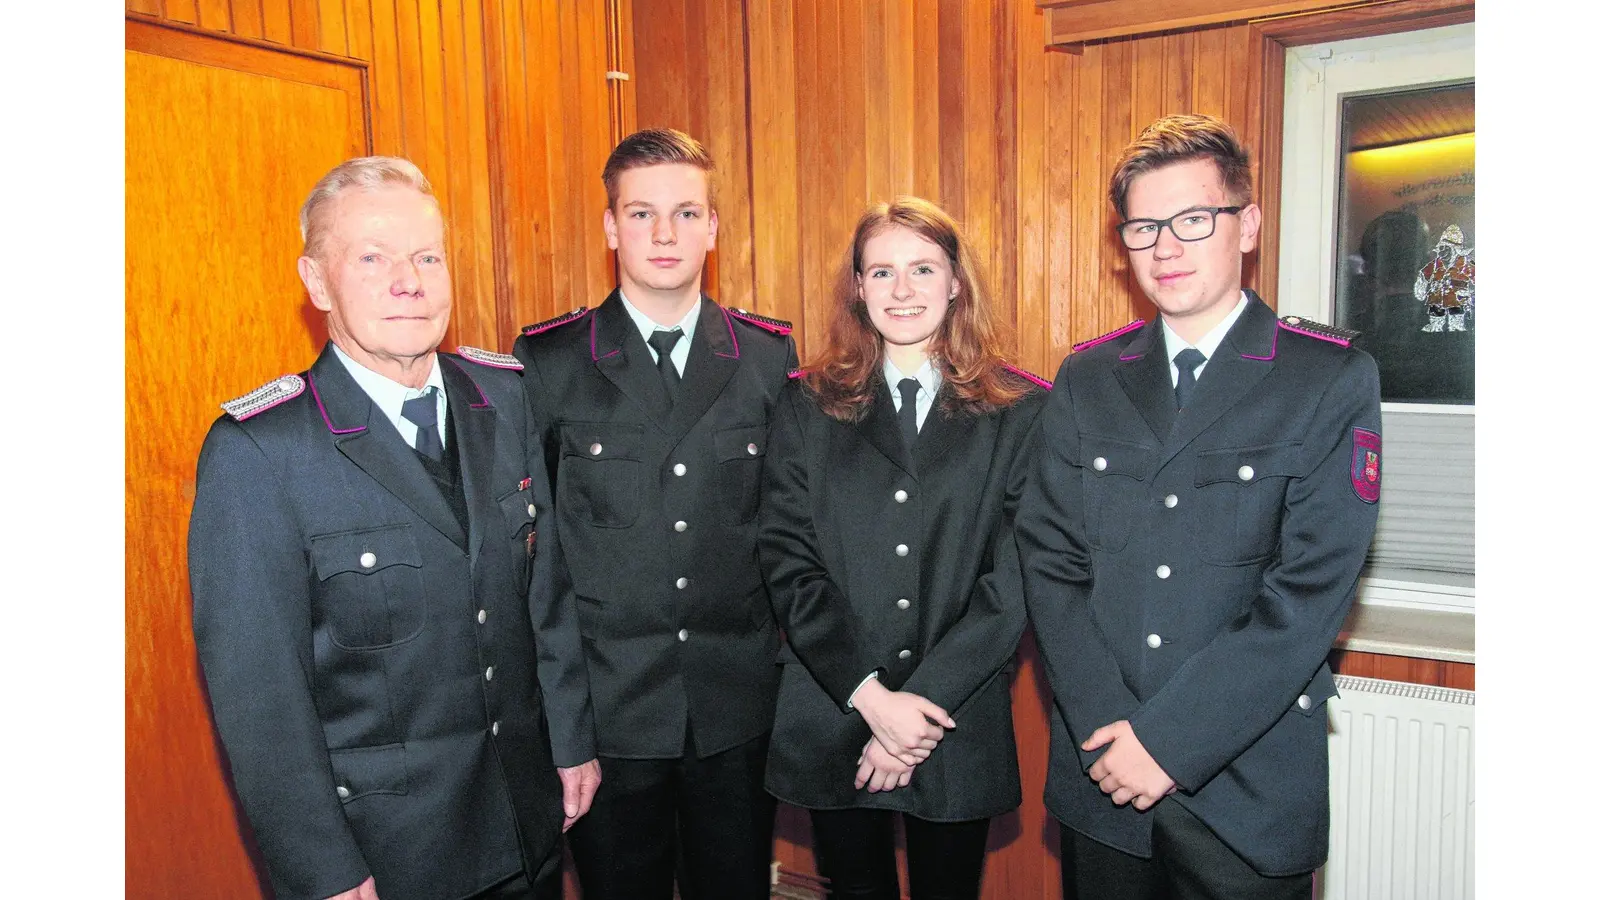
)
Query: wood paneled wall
[{"x": 502, "y": 103}]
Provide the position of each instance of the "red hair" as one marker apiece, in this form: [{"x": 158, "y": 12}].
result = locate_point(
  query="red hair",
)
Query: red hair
[{"x": 968, "y": 347}]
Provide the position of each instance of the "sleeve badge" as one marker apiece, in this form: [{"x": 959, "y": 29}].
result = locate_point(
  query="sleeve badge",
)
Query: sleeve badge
[{"x": 1366, "y": 470}]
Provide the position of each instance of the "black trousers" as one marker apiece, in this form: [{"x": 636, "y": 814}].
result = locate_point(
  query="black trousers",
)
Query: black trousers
[
  {"x": 855, "y": 852},
  {"x": 711, "y": 814},
  {"x": 1188, "y": 862}
]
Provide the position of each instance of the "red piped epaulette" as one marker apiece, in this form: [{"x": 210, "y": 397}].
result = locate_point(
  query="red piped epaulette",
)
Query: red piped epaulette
[
  {"x": 796, "y": 373},
  {"x": 1330, "y": 333},
  {"x": 1135, "y": 325},
  {"x": 1024, "y": 373},
  {"x": 776, "y": 326},
  {"x": 558, "y": 321}
]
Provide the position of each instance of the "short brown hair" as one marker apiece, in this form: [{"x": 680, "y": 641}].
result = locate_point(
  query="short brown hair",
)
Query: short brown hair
[
  {"x": 1180, "y": 138},
  {"x": 364, "y": 173},
  {"x": 657, "y": 147},
  {"x": 969, "y": 348}
]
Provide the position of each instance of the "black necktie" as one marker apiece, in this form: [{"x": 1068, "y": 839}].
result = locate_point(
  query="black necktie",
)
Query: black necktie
[
  {"x": 663, "y": 342},
  {"x": 908, "y": 410},
  {"x": 423, "y": 412},
  {"x": 1187, "y": 360}
]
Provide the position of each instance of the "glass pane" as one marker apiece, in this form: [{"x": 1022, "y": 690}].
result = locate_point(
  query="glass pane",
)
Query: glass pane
[{"x": 1406, "y": 279}]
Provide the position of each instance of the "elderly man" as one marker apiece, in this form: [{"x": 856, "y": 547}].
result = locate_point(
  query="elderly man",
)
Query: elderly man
[{"x": 373, "y": 611}]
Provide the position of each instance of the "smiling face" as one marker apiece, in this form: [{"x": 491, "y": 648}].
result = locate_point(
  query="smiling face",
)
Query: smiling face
[
  {"x": 662, "y": 227},
  {"x": 1195, "y": 284},
  {"x": 381, "y": 277},
  {"x": 907, "y": 283}
]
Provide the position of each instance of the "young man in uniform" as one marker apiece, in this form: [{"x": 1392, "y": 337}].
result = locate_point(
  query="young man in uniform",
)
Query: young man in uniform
[
  {"x": 1207, "y": 493},
  {"x": 653, "y": 411}
]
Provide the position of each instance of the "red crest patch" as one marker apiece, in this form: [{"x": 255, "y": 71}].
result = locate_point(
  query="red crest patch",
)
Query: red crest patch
[{"x": 1366, "y": 470}]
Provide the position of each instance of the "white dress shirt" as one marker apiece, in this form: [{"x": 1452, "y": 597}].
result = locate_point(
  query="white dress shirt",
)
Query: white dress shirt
[
  {"x": 389, "y": 395},
  {"x": 1207, "y": 345},
  {"x": 929, "y": 380},
  {"x": 647, "y": 326}
]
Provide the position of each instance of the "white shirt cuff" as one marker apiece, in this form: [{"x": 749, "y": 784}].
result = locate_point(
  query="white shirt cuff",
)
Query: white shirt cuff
[{"x": 851, "y": 703}]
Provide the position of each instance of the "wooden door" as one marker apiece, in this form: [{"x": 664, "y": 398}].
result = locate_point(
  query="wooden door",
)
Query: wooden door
[{"x": 224, "y": 139}]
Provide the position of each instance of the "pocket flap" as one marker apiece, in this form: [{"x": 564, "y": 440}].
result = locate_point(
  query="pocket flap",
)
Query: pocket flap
[
  {"x": 1109, "y": 456},
  {"x": 601, "y": 440},
  {"x": 519, "y": 511},
  {"x": 359, "y": 771},
  {"x": 1243, "y": 465},
  {"x": 365, "y": 551},
  {"x": 741, "y": 442}
]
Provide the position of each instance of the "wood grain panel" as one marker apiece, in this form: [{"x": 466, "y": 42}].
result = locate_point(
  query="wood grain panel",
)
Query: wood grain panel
[
  {"x": 247, "y": 18},
  {"x": 1404, "y": 668},
  {"x": 305, "y": 31},
  {"x": 277, "y": 21},
  {"x": 255, "y": 134}
]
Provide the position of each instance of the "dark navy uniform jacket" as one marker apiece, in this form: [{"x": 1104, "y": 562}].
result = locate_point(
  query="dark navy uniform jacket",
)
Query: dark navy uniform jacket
[
  {"x": 940, "y": 619},
  {"x": 658, "y": 521},
  {"x": 1189, "y": 572},
  {"x": 347, "y": 626}
]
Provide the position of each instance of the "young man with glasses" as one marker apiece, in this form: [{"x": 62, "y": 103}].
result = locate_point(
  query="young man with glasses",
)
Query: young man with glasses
[{"x": 1208, "y": 490}]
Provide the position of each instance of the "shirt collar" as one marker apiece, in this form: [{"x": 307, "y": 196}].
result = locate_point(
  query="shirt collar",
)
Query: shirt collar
[
  {"x": 386, "y": 393},
  {"x": 647, "y": 325},
  {"x": 1213, "y": 339},
  {"x": 928, "y": 377}
]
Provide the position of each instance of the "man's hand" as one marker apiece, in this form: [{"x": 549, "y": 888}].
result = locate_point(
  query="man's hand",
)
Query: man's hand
[
  {"x": 1126, "y": 770},
  {"x": 578, "y": 785},
  {"x": 900, "y": 721},
  {"x": 880, "y": 771},
  {"x": 366, "y": 890}
]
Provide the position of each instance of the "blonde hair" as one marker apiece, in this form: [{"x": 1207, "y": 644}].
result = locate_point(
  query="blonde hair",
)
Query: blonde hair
[
  {"x": 1180, "y": 138},
  {"x": 657, "y": 147},
  {"x": 364, "y": 173}
]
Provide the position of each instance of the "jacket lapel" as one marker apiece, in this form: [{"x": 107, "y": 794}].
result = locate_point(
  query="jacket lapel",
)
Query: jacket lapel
[
  {"x": 881, "y": 427},
  {"x": 366, "y": 437},
  {"x": 1142, "y": 369},
  {"x": 713, "y": 358},
  {"x": 623, "y": 358},
  {"x": 475, "y": 420},
  {"x": 1244, "y": 357},
  {"x": 940, "y": 431}
]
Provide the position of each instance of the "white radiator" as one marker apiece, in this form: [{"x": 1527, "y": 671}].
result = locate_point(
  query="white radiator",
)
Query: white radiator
[{"x": 1401, "y": 790}]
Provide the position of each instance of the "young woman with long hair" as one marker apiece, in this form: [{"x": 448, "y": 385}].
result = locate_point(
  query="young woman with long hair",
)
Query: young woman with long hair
[{"x": 894, "y": 468}]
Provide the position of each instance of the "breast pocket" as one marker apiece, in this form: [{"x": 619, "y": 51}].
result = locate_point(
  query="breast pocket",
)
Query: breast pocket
[
  {"x": 369, "y": 586},
  {"x": 600, "y": 476},
  {"x": 1114, "y": 488},
  {"x": 740, "y": 451},
  {"x": 1240, "y": 493}
]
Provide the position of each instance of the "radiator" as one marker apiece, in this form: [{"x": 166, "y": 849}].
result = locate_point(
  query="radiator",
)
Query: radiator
[{"x": 1401, "y": 792}]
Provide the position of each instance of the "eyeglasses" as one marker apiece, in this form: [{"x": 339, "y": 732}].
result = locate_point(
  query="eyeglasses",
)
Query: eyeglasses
[{"x": 1193, "y": 224}]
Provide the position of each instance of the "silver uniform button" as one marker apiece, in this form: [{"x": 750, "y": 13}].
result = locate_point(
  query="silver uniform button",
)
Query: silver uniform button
[
  {"x": 483, "y": 616},
  {"x": 901, "y": 550},
  {"x": 1163, "y": 571},
  {"x": 1171, "y": 501},
  {"x": 1099, "y": 463},
  {"x": 750, "y": 449},
  {"x": 533, "y": 511},
  {"x": 1304, "y": 702},
  {"x": 488, "y": 674},
  {"x": 682, "y": 583},
  {"x": 903, "y": 603},
  {"x": 342, "y": 791},
  {"x": 679, "y": 469},
  {"x": 594, "y": 449},
  {"x": 369, "y": 559},
  {"x": 905, "y": 654},
  {"x": 680, "y": 526},
  {"x": 683, "y": 634},
  {"x": 900, "y": 496},
  {"x": 1246, "y": 473},
  {"x": 494, "y": 729},
  {"x": 1152, "y": 641}
]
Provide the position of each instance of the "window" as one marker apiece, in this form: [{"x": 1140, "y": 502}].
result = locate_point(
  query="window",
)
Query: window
[{"x": 1377, "y": 226}]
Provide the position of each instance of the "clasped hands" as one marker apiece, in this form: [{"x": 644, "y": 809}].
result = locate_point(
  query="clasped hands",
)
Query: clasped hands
[
  {"x": 905, "y": 727},
  {"x": 1126, "y": 770}
]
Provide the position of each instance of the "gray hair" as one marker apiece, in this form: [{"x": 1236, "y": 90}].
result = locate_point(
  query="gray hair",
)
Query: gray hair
[{"x": 363, "y": 173}]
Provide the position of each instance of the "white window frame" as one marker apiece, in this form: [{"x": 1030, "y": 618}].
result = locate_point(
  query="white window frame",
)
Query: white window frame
[{"x": 1317, "y": 78}]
